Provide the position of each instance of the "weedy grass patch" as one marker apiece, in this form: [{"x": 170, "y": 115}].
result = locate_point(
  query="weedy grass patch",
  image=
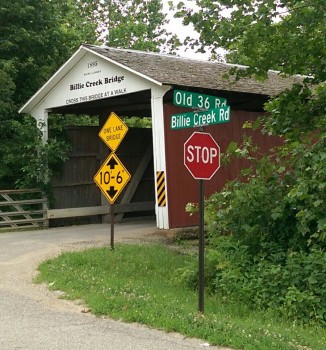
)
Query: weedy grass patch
[{"x": 140, "y": 283}]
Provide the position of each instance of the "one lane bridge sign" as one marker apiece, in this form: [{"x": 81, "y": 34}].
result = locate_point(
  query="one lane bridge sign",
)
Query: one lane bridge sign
[
  {"x": 113, "y": 131},
  {"x": 112, "y": 177}
]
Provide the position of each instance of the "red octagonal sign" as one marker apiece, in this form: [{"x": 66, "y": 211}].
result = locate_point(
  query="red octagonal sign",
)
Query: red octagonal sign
[{"x": 201, "y": 155}]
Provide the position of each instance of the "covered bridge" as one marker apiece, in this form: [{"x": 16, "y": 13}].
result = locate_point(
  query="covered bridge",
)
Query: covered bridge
[{"x": 98, "y": 80}]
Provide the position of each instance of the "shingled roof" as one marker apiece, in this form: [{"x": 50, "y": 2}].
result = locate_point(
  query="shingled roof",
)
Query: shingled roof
[{"x": 174, "y": 70}]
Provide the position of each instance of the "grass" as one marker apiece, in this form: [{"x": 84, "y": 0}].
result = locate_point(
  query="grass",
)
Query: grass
[{"x": 140, "y": 283}]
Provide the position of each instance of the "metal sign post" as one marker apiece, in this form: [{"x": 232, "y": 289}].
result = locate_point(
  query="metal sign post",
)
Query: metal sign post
[
  {"x": 202, "y": 159},
  {"x": 201, "y": 249},
  {"x": 201, "y": 154},
  {"x": 112, "y": 225},
  {"x": 112, "y": 176}
]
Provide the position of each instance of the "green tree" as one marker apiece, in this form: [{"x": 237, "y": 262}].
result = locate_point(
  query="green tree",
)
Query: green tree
[
  {"x": 36, "y": 37},
  {"x": 131, "y": 24},
  {"x": 288, "y": 36},
  {"x": 144, "y": 26},
  {"x": 274, "y": 222}
]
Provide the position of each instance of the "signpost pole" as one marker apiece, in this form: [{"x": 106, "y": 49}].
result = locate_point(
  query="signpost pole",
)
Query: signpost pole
[
  {"x": 112, "y": 225},
  {"x": 201, "y": 247},
  {"x": 112, "y": 175},
  {"x": 201, "y": 155},
  {"x": 201, "y": 253}
]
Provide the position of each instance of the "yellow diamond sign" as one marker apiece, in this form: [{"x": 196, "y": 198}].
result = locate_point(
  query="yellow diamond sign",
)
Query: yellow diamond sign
[
  {"x": 113, "y": 131},
  {"x": 112, "y": 177}
]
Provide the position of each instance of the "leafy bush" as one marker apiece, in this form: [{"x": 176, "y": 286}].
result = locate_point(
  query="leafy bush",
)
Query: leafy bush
[
  {"x": 267, "y": 230},
  {"x": 35, "y": 162},
  {"x": 292, "y": 285},
  {"x": 280, "y": 201},
  {"x": 137, "y": 122},
  {"x": 275, "y": 213}
]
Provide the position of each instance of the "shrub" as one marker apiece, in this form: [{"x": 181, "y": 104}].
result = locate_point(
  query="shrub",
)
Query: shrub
[
  {"x": 267, "y": 231},
  {"x": 280, "y": 201},
  {"x": 292, "y": 285}
]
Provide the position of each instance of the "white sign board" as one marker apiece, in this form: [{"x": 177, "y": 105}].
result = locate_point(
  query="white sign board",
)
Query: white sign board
[{"x": 94, "y": 78}]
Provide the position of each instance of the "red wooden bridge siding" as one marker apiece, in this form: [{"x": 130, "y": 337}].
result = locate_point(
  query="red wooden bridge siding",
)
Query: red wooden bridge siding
[{"x": 182, "y": 188}]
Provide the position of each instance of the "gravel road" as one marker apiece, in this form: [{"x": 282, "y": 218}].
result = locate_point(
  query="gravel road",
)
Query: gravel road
[{"x": 33, "y": 318}]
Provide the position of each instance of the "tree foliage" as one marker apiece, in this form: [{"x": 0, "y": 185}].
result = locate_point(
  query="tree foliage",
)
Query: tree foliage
[
  {"x": 135, "y": 24},
  {"x": 273, "y": 215},
  {"x": 34, "y": 41},
  {"x": 286, "y": 36},
  {"x": 272, "y": 35},
  {"x": 36, "y": 38}
]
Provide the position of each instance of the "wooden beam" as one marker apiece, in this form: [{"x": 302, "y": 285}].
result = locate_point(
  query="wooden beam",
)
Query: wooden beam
[
  {"x": 99, "y": 210},
  {"x": 25, "y": 212},
  {"x": 19, "y": 191},
  {"x": 75, "y": 212},
  {"x": 27, "y": 201},
  {"x": 22, "y": 221},
  {"x": 135, "y": 180}
]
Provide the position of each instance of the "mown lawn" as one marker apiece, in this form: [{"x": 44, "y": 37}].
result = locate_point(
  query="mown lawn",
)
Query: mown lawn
[{"x": 141, "y": 283}]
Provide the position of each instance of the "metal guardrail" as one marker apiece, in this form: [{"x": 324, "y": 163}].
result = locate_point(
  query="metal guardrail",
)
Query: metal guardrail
[{"x": 23, "y": 209}]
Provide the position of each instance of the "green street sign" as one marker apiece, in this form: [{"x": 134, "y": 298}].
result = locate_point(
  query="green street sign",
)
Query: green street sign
[
  {"x": 201, "y": 118},
  {"x": 195, "y": 100}
]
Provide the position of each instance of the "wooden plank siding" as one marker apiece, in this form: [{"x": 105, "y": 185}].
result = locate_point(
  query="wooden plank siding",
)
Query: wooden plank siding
[
  {"x": 181, "y": 185},
  {"x": 76, "y": 198}
]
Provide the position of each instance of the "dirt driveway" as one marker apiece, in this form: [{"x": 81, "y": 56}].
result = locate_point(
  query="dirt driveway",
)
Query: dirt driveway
[{"x": 32, "y": 318}]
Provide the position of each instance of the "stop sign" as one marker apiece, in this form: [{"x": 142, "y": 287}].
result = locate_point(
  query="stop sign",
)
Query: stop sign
[{"x": 201, "y": 155}]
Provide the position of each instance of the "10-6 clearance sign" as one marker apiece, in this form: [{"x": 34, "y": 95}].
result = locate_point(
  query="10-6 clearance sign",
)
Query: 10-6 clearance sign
[{"x": 112, "y": 177}]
